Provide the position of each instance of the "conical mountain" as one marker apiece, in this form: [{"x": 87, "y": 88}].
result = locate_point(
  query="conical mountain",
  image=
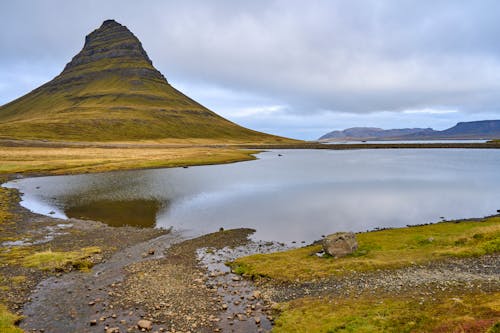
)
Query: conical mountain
[{"x": 110, "y": 91}]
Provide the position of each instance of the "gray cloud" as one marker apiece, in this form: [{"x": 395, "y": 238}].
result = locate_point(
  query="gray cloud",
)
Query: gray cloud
[{"x": 355, "y": 57}]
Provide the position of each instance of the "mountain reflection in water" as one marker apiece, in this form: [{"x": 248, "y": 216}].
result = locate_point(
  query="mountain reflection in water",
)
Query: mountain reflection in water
[{"x": 136, "y": 213}]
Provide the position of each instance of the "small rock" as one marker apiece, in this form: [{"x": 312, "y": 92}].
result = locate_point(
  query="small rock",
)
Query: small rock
[
  {"x": 236, "y": 278},
  {"x": 151, "y": 251},
  {"x": 144, "y": 324},
  {"x": 113, "y": 330},
  {"x": 257, "y": 320},
  {"x": 256, "y": 294},
  {"x": 93, "y": 322}
]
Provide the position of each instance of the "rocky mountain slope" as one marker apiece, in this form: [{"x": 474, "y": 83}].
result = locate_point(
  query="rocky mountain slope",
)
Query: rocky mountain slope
[{"x": 110, "y": 91}]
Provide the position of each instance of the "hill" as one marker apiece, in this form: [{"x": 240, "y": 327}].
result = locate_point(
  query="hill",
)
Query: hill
[
  {"x": 364, "y": 133},
  {"x": 483, "y": 129},
  {"x": 110, "y": 91}
]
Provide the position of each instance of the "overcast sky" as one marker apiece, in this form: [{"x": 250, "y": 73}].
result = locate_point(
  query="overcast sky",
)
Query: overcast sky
[{"x": 294, "y": 68}]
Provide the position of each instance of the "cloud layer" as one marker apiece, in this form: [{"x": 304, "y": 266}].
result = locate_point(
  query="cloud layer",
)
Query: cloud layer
[{"x": 302, "y": 59}]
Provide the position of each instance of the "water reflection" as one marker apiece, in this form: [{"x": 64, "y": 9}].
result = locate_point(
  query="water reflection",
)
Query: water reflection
[
  {"x": 298, "y": 196},
  {"x": 116, "y": 213}
]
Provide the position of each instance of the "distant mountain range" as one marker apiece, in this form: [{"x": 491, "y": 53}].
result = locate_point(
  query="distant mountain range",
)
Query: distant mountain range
[{"x": 484, "y": 129}]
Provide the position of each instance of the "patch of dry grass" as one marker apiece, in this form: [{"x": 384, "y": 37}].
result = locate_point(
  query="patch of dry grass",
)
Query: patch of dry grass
[
  {"x": 61, "y": 261},
  {"x": 82, "y": 160}
]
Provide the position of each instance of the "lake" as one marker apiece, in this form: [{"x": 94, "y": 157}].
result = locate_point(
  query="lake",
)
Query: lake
[{"x": 297, "y": 196}]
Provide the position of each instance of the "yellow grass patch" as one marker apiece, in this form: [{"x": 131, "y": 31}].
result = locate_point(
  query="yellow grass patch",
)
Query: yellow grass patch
[
  {"x": 82, "y": 160},
  {"x": 50, "y": 260},
  {"x": 8, "y": 321}
]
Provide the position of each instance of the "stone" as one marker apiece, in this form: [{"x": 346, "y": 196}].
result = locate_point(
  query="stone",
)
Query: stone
[
  {"x": 93, "y": 322},
  {"x": 151, "y": 251},
  {"x": 257, "y": 320},
  {"x": 113, "y": 330},
  {"x": 340, "y": 244},
  {"x": 144, "y": 324},
  {"x": 256, "y": 294}
]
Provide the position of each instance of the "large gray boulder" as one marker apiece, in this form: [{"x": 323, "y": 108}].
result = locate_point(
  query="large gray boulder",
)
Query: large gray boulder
[{"x": 340, "y": 244}]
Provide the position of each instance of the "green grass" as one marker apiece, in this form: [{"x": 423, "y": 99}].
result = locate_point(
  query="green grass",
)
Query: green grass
[
  {"x": 378, "y": 250},
  {"x": 61, "y": 261},
  {"x": 8, "y": 321},
  {"x": 445, "y": 313}
]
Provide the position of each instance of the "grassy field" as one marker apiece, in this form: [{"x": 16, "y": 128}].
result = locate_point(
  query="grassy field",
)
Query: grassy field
[
  {"x": 83, "y": 160},
  {"x": 369, "y": 314},
  {"x": 381, "y": 249}
]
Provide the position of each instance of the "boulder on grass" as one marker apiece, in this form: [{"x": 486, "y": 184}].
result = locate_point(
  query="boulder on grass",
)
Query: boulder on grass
[{"x": 340, "y": 244}]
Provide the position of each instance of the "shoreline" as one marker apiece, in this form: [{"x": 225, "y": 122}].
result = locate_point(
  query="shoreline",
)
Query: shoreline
[{"x": 495, "y": 144}]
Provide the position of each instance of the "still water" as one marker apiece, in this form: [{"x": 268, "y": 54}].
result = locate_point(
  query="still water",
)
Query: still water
[{"x": 298, "y": 196}]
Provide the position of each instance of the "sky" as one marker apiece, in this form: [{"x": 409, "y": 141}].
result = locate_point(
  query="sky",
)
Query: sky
[{"x": 293, "y": 68}]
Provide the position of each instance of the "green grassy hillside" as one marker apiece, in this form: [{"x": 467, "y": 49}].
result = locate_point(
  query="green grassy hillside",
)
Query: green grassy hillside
[{"x": 110, "y": 91}]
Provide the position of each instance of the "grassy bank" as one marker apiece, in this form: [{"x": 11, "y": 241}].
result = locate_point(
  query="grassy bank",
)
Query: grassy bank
[
  {"x": 83, "y": 160},
  {"x": 369, "y": 314},
  {"x": 379, "y": 250}
]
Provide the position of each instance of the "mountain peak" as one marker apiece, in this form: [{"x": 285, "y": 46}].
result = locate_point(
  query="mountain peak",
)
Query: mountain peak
[
  {"x": 110, "y": 22},
  {"x": 110, "y": 41},
  {"x": 110, "y": 91}
]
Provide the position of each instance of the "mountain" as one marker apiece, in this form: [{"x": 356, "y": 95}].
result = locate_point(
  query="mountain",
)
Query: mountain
[
  {"x": 364, "y": 133},
  {"x": 483, "y": 129},
  {"x": 110, "y": 91}
]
